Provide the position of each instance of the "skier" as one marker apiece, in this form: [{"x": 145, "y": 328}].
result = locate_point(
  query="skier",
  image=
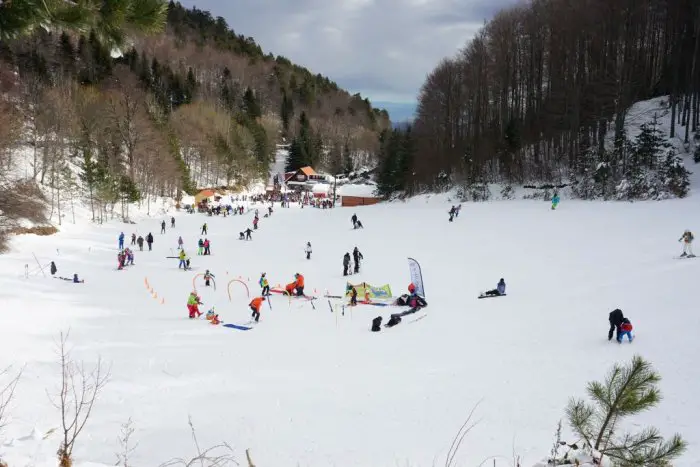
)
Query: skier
[
  {"x": 346, "y": 264},
  {"x": 307, "y": 250},
  {"x": 204, "y": 229},
  {"x": 120, "y": 260},
  {"x": 193, "y": 303},
  {"x": 255, "y": 305},
  {"x": 208, "y": 277},
  {"x": 162, "y": 227},
  {"x": 625, "y": 330},
  {"x": 616, "y": 318},
  {"x": 353, "y": 297},
  {"x": 200, "y": 247},
  {"x": 182, "y": 257},
  {"x": 269, "y": 210},
  {"x": 179, "y": 243},
  {"x": 357, "y": 256},
  {"x": 499, "y": 290},
  {"x": 452, "y": 213},
  {"x": 687, "y": 239},
  {"x": 129, "y": 256},
  {"x": 299, "y": 284},
  {"x": 121, "y": 241},
  {"x": 139, "y": 242},
  {"x": 555, "y": 201},
  {"x": 53, "y": 268},
  {"x": 133, "y": 239},
  {"x": 149, "y": 240},
  {"x": 76, "y": 280},
  {"x": 354, "y": 221},
  {"x": 457, "y": 209},
  {"x": 172, "y": 222},
  {"x": 265, "y": 285},
  {"x": 206, "y": 247},
  {"x": 255, "y": 223},
  {"x": 415, "y": 301},
  {"x": 247, "y": 234}
]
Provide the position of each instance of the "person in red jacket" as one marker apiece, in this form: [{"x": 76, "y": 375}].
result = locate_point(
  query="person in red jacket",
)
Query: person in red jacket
[{"x": 255, "y": 305}]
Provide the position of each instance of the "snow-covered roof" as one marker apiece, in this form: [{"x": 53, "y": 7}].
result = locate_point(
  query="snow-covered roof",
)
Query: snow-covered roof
[{"x": 363, "y": 190}]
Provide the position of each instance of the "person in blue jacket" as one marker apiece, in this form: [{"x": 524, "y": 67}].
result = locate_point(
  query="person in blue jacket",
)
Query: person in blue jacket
[
  {"x": 121, "y": 241},
  {"x": 499, "y": 290},
  {"x": 555, "y": 201}
]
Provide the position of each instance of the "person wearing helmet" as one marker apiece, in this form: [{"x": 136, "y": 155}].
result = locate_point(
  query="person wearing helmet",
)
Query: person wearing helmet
[
  {"x": 687, "y": 239},
  {"x": 265, "y": 285},
  {"x": 193, "y": 303},
  {"x": 415, "y": 301}
]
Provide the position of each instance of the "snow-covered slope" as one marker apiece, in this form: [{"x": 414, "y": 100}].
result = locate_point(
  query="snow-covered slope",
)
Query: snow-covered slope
[{"x": 311, "y": 387}]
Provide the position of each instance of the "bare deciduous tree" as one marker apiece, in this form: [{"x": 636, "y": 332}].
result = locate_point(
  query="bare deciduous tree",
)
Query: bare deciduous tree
[
  {"x": 220, "y": 455},
  {"x": 77, "y": 395}
]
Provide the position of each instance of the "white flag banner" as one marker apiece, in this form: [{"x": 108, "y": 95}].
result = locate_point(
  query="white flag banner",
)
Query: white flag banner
[{"x": 416, "y": 276}]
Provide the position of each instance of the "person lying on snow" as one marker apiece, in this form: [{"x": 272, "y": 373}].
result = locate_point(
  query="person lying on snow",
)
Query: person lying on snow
[
  {"x": 415, "y": 301},
  {"x": 75, "y": 279},
  {"x": 499, "y": 290}
]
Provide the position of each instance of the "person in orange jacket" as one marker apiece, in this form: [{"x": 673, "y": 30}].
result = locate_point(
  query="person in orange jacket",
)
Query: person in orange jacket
[
  {"x": 255, "y": 305},
  {"x": 299, "y": 284}
]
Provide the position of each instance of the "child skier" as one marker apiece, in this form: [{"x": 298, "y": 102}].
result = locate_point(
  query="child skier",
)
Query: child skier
[
  {"x": 204, "y": 229},
  {"x": 255, "y": 305},
  {"x": 129, "y": 257},
  {"x": 200, "y": 247},
  {"x": 182, "y": 256},
  {"x": 120, "y": 260},
  {"x": 687, "y": 239},
  {"x": 353, "y": 297},
  {"x": 162, "y": 227},
  {"x": 625, "y": 330},
  {"x": 255, "y": 223},
  {"x": 307, "y": 250},
  {"x": 265, "y": 285},
  {"x": 179, "y": 243},
  {"x": 555, "y": 201},
  {"x": 133, "y": 239},
  {"x": 452, "y": 213},
  {"x": 193, "y": 303},
  {"x": 208, "y": 277},
  {"x": 206, "y": 247}
]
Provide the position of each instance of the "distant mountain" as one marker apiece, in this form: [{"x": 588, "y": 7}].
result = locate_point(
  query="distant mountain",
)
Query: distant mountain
[{"x": 398, "y": 111}]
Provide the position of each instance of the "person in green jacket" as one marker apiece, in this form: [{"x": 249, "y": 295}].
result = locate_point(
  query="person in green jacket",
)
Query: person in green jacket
[
  {"x": 555, "y": 201},
  {"x": 265, "y": 285},
  {"x": 193, "y": 303}
]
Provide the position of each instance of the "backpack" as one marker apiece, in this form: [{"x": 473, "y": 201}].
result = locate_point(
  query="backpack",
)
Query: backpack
[{"x": 626, "y": 327}]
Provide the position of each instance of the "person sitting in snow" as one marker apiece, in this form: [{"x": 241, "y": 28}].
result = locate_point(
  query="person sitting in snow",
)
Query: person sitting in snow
[
  {"x": 625, "y": 330},
  {"x": 215, "y": 320},
  {"x": 76, "y": 280},
  {"x": 299, "y": 284},
  {"x": 687, "y": 239},
  {"x": 415, "y": 301},
  {"x": 208, "y": 277},
  {"x": 210, "y": 314},
  {"x": 193, "y": 303},
  {"x": 499, "y": 290}
]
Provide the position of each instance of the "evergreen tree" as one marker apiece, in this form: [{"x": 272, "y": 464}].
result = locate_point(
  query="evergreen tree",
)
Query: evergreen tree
[
  {"x": 296, "y": 156},
  {"x": 627, "y": 390},
  {"x": 251, "y": 106},
  {"x": 287, "y": 111},
  {"x": 348, "y": 163},
  {"x": 675, "y": 177}
]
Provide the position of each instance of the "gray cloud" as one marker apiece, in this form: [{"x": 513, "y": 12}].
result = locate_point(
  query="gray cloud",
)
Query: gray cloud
[{"x": 381, "y": 48}]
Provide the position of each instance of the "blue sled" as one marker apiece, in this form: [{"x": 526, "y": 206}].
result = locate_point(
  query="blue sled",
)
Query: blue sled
[{"x": 236, "y": 326}]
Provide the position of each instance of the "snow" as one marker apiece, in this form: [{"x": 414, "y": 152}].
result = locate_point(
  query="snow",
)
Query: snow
[
  {"x": 313, "y": 388},
  {"x": 363, "y": 190}
]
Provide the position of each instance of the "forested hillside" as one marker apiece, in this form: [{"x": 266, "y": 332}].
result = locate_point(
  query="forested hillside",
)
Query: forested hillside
[
  {"x": 114, "y": 115},
  {"x": 541, "y": 93}
]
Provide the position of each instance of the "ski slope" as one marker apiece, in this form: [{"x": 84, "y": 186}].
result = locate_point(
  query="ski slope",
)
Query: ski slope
[{"x": 308, "y": 387}]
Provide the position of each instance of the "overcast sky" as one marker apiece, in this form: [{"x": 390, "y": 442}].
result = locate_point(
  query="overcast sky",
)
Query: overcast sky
[{"x": 380, "y": 48}]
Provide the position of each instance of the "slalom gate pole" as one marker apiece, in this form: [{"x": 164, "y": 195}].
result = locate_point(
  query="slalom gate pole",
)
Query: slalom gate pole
[
  {"x": 38, "y": 263},
  {"x": 329, "y": 305}
]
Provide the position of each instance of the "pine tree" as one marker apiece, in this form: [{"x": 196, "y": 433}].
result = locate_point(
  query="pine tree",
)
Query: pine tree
[
  {"x": 287, "y": 111},
  {"x": 674, "y": 176},
  {"x": 627, "y": 390},
  {"x": 296, "y": 156},
  {"x": 251, "y": 106},
  {"x": 348, "y": 163}
]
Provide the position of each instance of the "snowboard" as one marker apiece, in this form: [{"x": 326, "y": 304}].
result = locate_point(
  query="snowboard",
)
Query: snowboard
[
  {"x": 240, "y": 327},
  {"x": 492, "y": 296},
  {"x": 685, "y": 257}
]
